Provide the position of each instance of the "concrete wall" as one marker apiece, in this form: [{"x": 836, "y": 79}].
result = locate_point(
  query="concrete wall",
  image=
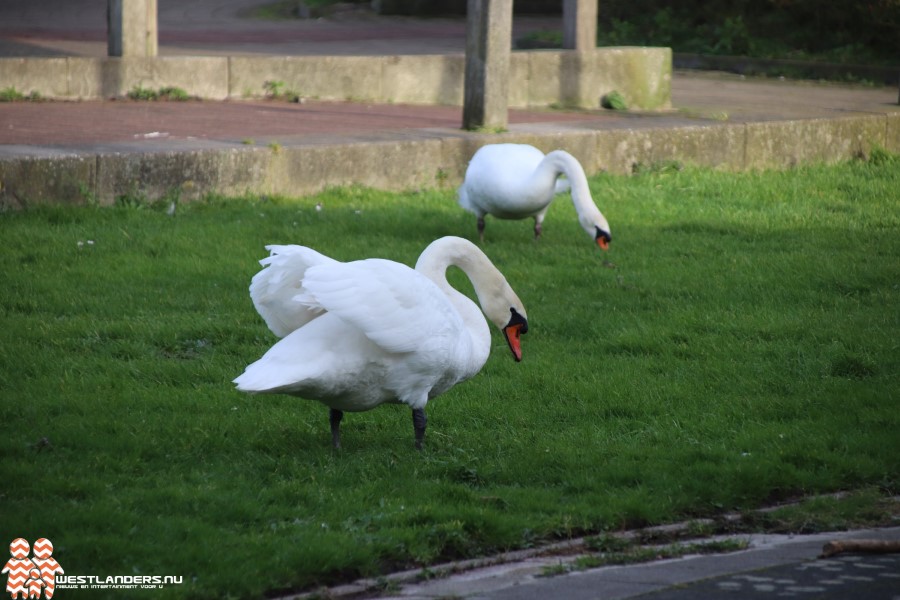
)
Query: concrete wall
[
  {"x": 413, "y": 159},
  {"x": 422, "y": 159},
  {"x": 537, "y": 78}
]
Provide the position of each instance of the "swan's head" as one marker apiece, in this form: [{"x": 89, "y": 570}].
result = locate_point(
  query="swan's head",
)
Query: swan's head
[
  {"x": 516, "y": 326},
  {"x": 504, "y": 309},
  {"x": 594, "y": 224},
  {"x": 603, "y": 238},
  {"x": 498, "y": 301}
]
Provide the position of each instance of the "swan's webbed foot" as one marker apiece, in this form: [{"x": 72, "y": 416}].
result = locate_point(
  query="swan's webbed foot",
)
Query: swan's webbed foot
[
  {"x": 481, "y": 228},
  {"x": 335, "y": 416},
  {"x": 419, "y": 423}
]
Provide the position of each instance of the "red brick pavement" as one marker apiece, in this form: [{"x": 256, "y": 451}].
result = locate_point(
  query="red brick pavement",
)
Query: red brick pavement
[{"x": 73, "y": 123}]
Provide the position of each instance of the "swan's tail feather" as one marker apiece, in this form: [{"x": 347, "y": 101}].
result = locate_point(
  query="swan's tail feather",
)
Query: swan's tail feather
[
  {"x": 462, "y": 198},
  {"x": 252, "y": 384},
  {"x": 275, "y": 288},
  {"x": 267, "y": 376}
]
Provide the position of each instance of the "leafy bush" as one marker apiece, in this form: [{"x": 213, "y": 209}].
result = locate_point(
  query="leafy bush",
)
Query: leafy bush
[
  {"x": 614, "y": 101},
  {"x": 165, "y": 93},
  {"x": 11, "y": 94},
  {"x": 839, "y": 31},
  {"x": 846, "y": 32}
]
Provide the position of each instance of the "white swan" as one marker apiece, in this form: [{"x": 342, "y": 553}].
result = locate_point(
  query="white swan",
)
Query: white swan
[
  {"x": 362, "y": 333},
  {"x": 515, "y": 181}
]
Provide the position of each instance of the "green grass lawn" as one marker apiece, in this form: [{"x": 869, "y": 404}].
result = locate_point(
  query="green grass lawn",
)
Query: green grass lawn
[{"x": 740, "y": 346}]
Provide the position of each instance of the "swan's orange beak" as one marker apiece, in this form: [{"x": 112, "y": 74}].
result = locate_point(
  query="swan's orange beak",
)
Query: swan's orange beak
[
  {"x": 516, "y": 327},
  {"x": 512, "y": 338},
  {"x": 603, "y": 238}
]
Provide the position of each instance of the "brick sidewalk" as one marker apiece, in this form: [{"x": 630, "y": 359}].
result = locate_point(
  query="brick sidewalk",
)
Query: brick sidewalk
[
  {"x": 702, "y": 100},
  {"x": 61, "y": 124}
]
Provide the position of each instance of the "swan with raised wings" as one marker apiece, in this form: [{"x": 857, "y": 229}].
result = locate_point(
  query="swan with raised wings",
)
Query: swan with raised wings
[
  {"x": 517, "y": 181},
  {"x": 358, "y": 334}
]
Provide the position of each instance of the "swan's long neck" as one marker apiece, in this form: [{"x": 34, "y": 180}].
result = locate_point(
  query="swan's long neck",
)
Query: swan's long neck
[
  {"x": 561, "y": 162},
  {"x": 453, "y": 251},
  {"x": 490, "y": 285},
  {"x": 433, "y": 263}
]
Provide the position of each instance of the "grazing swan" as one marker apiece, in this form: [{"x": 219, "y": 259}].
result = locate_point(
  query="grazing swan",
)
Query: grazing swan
[
  {"x": 515, "y": 181},
  {"x": 358, "y": 334}
]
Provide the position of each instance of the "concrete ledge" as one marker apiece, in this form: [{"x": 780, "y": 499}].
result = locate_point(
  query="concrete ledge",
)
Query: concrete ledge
[
  {"x": 419, "y": 158},
  {"x": 538, "y": 78},
  {"x": 202, "y": 76},
  {"x": 75, "y": 78},
  {"x": 791, "y": 143},
  {"x": 434, "y": 79},
  {"x": 642, "y": 75},
  {"x": 47, "y": 76},
  {"x": 324, "y": 77},
  {"x": 50, "y": 178},
  {"x": 715, "y": 146}
]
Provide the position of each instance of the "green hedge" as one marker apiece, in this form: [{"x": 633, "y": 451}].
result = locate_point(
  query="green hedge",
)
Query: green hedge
[
  {"x": 834, "y": 30},
  {"x": 458, "y": 7}
]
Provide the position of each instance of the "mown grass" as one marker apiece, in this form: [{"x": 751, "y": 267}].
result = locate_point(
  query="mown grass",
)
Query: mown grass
[{"x": 742, "y": 350}]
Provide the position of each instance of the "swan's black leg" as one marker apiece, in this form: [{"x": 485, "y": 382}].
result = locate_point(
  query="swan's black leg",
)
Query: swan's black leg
[
  {"x": 419, "y": 422},
  {"x": 481, "y": 228},
  {"x": 335, "y": 417},
  {"x": 537, "y": 229}
]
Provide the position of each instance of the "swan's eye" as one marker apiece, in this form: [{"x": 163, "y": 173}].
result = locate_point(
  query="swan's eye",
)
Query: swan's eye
[{"x": 517, "y": 319}]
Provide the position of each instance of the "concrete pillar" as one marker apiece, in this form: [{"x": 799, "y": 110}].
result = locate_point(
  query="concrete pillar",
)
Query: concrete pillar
[
  {"x": 488, "y": 44},
  {"x": 131, "y": 28},
  {"x": 580, "y": 24}
]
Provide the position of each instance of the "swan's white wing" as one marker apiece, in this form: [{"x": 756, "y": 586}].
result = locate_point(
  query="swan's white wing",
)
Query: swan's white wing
[
  {"x": 498, "y": 181},
  {"x": 328, "y": 360},
  {"x": 501, "y": 167},
  {"x": 396, "y": 307},
  {"x": 276, "y": 288}
]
